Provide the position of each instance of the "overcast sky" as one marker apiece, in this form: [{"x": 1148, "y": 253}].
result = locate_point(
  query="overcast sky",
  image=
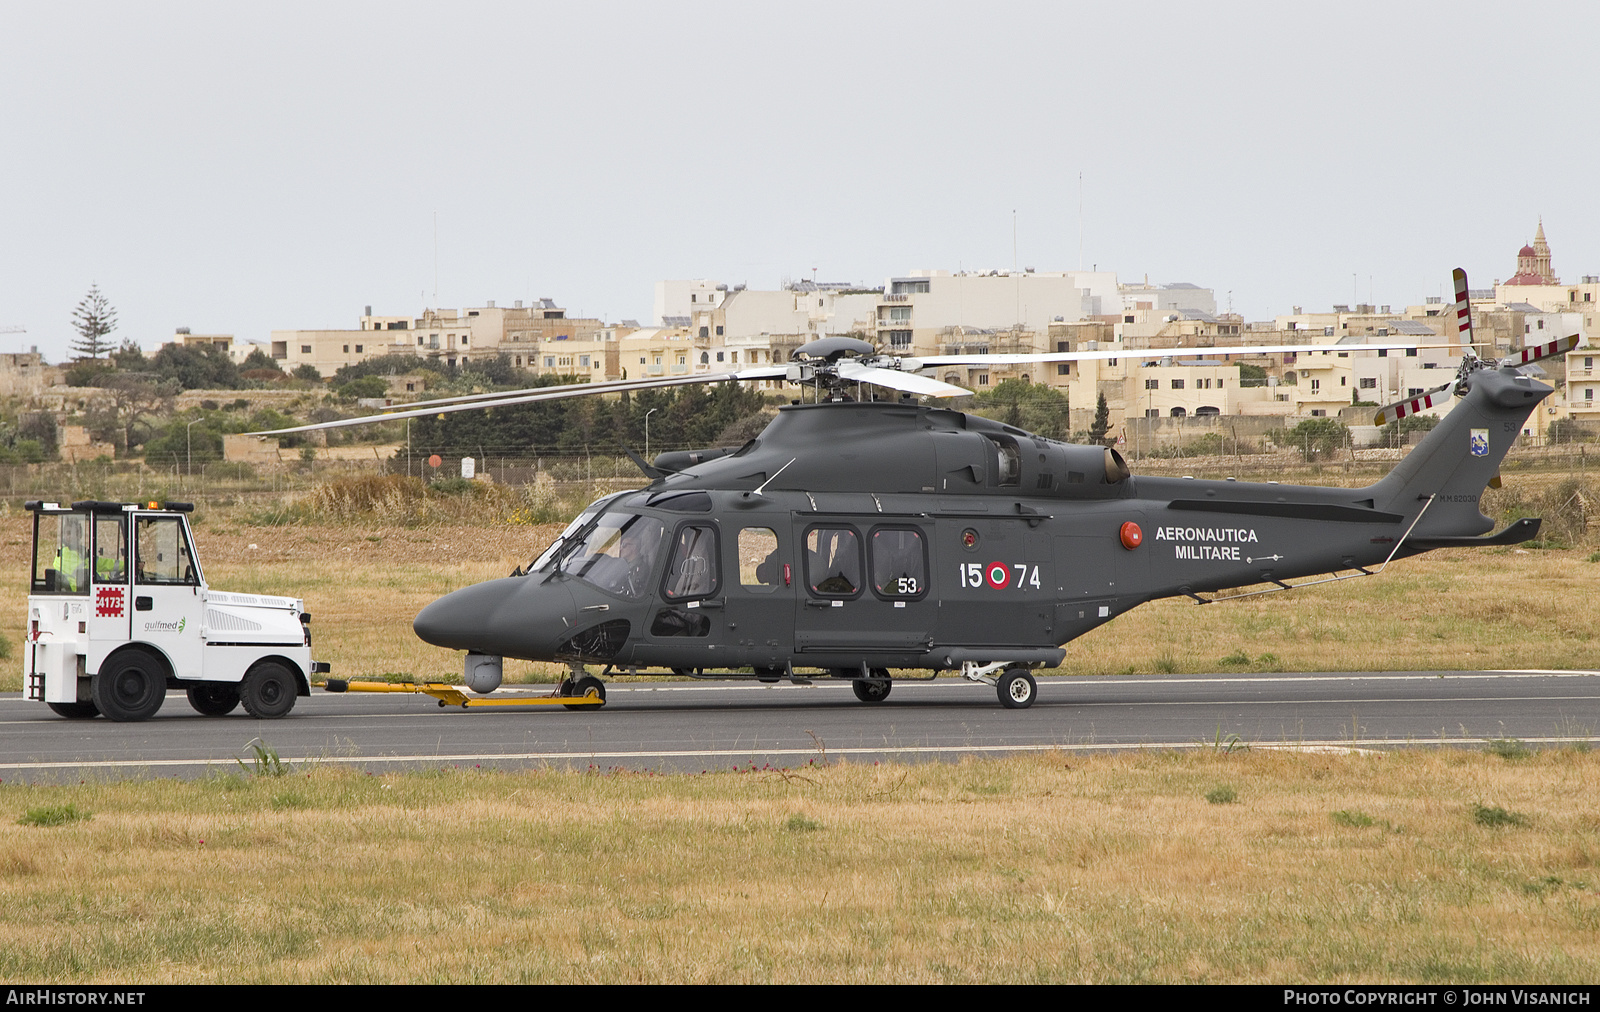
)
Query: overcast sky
[{"x": 238, "y": 168}]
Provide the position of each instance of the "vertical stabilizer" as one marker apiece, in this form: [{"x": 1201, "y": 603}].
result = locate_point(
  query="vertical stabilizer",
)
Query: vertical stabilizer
[{"x": 1456, "y": 461}]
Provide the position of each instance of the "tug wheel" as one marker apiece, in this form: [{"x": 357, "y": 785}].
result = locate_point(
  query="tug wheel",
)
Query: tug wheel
[
  {"x": 131, "y": 686},
  {"x": 214, "y": 699},
  {"x": 268, "y": 691},
  {"x": 75, "y": 711}
]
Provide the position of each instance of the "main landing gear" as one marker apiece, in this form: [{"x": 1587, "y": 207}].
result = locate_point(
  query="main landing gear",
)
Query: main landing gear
[
  {"x": 1014, "y": 685},
  {"x": 874, "y": 689}
]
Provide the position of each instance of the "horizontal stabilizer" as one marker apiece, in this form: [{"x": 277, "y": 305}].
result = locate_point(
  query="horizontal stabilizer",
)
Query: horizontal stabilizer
[{"x": 1514, "y": 534}]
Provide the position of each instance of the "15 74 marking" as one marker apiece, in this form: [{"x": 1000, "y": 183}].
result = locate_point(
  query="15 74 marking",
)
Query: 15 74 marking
[{"x": 999, "y": 575}]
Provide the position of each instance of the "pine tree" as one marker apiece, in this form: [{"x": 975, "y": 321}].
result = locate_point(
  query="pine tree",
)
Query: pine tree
[
  {"x": 93, "y": 320},
  {"x": 1102, "y": 420}
]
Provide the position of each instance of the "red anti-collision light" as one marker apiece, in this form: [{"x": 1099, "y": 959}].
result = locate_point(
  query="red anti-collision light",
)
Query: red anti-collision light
[{"x": 1132, "y": 536}]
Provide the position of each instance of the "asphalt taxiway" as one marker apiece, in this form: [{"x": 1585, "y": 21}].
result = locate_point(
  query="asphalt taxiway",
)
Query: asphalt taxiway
[{"x": 674, "y": 725}]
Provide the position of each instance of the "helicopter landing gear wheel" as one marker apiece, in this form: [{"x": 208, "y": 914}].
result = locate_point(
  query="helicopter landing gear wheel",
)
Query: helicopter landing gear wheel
[
  {"x": 75, "y": 711},
  {"x": 874, "y": 689},
  {"x": 214, "y": 699},
  {"x": 587, "y": 686},
  {"x": 1017, "y": 689}
]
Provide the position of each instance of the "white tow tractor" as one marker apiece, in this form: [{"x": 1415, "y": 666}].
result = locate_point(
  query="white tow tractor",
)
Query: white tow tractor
[{"x": 119, "y": 612}]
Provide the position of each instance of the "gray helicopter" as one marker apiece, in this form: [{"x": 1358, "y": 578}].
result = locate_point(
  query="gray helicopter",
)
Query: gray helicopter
[{"x": 877, "y": 541}]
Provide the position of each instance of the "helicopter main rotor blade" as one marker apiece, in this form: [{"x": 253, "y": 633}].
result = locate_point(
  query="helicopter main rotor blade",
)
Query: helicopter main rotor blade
[
  {"x": 537, "y": 394},
  {"x": 1153, "y": 354},
  {"x": 1413, "y": 405},
  {"x": 911, "y": 383},
  {"x": 499, "y": 395}
]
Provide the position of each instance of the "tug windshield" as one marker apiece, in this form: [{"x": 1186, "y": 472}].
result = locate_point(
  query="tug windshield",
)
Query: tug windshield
[{"x": 61, "y": 553}]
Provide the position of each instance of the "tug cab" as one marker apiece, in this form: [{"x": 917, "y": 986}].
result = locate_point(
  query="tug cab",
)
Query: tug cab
[{"x": 119, "y": 612}]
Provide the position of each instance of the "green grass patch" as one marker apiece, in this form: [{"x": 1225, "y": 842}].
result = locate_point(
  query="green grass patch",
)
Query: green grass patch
[
  {"x": 1352, "y": 818},
  {"x": 1508, "y": 748},
  {"x": 53, "y": 815},
  {"x": 1495, "y": 817}
]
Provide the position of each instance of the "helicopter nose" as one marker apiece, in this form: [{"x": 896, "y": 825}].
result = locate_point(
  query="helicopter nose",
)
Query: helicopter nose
[{"x": 513, "y": 617}]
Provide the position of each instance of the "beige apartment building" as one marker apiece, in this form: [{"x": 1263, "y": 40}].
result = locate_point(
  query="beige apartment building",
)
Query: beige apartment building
[
  {"x": 915, "y": 313},
  {"x": 1582, "y": 400},
  {"x": 224, "y": 342},
  {"x": 448, "y": 336}
]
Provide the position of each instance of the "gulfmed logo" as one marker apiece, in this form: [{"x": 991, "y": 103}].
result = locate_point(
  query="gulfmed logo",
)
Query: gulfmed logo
[{"x": 176, "y": 627}]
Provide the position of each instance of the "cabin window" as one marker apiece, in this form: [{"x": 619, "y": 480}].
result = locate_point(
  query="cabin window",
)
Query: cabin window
[
  {"x": 163, "y": 555},
  {"x": 760, "y": 568},
  {"x": 899, "y": 564},
  {"x": 110, "y": 550},
  {"x": 693, "y": 571},
  {"x": 833, "y": 562}
]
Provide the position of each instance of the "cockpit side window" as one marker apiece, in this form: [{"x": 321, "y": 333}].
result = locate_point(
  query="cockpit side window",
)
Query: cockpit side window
[{"x": 693, "y": 570}]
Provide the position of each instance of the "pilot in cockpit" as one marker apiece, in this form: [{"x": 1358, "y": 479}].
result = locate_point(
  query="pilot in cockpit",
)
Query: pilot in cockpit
[{"x": 638, "y": 552}]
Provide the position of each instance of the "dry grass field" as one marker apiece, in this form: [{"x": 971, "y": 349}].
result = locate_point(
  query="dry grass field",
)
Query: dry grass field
[{"x": 1245, "y": 867}]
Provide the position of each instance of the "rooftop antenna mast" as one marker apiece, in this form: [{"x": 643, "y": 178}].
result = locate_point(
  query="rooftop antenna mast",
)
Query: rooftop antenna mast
[{"x": 1016, "y": 279}]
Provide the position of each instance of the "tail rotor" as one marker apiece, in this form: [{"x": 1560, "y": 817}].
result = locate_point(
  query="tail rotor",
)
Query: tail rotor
[{"x": 1470, "y": 361}]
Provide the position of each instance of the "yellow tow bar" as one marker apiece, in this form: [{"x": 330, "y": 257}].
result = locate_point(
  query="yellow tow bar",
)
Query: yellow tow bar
[{"x": 451, "y": 695}]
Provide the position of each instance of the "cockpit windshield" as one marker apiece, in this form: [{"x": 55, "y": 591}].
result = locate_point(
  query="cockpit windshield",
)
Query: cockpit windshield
[
  {"x": 583, "y": 518},
  {"x": 618, "y": 554}
]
